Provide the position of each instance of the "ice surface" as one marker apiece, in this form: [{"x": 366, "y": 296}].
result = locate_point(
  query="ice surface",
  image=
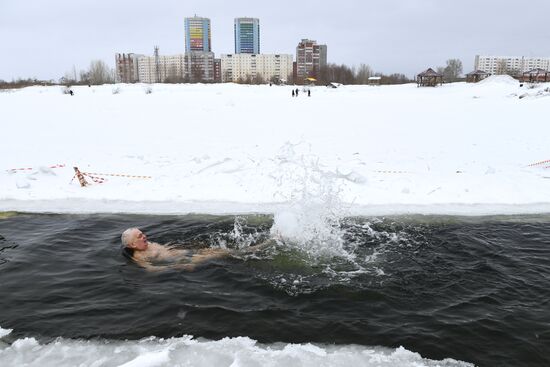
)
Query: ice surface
[
  {"x": 186, "y": 351},
  {"x": 4, "y": 332},
  {"x": 456, "y": 149}
]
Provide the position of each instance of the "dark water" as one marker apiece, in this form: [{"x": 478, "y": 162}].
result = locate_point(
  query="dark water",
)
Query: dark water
[{"x": 472, "y": 289}]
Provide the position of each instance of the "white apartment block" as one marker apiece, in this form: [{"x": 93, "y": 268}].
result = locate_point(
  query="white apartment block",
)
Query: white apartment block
[
  {"x": 240, "y": 67},
  {"x": 510, "y": 64},
  {"x": 168, "y": 67}
]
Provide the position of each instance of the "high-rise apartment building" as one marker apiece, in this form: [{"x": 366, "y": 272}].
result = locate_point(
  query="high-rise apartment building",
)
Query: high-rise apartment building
[
  {"x": 247, "y": 35},
  {"x": 310, "y": 59},
  {"x": 199, "y": 58},
  {"x": 256, "y": 67},
  {"x": 197, "y": 34},
  {"x": 199, "y": 66},
  {"x": 217, "y": 70},
  {"x": 161, "y": 69},
  {"x": 126, "y": 68},
  {"x": 512, "y": 65}
]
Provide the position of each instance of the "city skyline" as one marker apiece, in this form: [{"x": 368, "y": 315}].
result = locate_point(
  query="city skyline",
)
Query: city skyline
[{"x": 46, "y": 41}]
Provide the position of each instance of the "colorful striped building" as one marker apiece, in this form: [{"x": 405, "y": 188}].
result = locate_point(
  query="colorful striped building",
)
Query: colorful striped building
[
  {"x": 197, "y": 34},
  {"x": 247, "y": 35}
]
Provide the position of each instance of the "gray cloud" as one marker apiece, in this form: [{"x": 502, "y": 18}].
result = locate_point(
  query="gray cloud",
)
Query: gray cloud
[{"x": 44, "y": 39}]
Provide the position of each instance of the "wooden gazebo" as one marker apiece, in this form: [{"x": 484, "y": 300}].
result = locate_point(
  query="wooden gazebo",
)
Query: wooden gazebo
[
  {"x": 374, "y": 80},
  {"x": 429, "y": 78},
  {"x": 476, "y": 76},
  {"x": 536, "y": 76}
]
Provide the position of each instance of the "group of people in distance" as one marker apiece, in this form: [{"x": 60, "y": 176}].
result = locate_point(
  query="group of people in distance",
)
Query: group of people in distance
[{"x": 295, "y": 92}]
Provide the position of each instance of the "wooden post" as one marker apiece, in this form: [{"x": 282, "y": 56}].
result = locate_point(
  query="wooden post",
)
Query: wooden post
[{"x": 80, "y": 177}]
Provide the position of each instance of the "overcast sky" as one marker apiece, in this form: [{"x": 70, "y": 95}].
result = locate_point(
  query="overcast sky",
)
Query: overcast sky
[{"x": 46, "y": 38}]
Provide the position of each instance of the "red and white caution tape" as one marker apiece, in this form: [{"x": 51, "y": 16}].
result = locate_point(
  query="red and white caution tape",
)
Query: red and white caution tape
[
  {"x": 539, "y": 163},
  {"x": 98, "y": 180},
  {"x": 13, "y": 170},
  {"x": 391, "y": 171},
  {"x": 95, "y": 177},
  {"x": 114, "y": 175}
]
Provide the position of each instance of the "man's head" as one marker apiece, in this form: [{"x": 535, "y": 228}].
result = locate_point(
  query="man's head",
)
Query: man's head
[{"x": 134, "y": 239}]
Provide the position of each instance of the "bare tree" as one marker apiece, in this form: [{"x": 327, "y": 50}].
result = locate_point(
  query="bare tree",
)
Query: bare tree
[
  {"x": 100, "y": 73},
  {"x": 258, "y": 79},
  {"x": 395, "y": 78},
  {"x": 503, "y": 69},
  {"x": 68, "y": 79},
  {"x": 336, "y": 73},
  {"x": 173, "y": 75},
  {"x": 452, "y": 71},
  {"x": 363, "y": 74},
  {"x": 84, "y": 77}
]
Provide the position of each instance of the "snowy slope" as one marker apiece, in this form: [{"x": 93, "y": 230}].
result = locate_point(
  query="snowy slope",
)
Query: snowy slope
[{"x": 459, "y": 148}]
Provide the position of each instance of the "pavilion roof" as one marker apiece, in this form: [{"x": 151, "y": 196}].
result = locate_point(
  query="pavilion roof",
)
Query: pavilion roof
[
  {"x": 478, "y": 72},
  {"x": 429, "y": 72},
  {"x": 536, "y": 71}
]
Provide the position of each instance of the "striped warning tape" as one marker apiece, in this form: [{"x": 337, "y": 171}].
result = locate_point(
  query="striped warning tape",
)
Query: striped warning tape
[
  {"x": 391, "y": 171},
  {"x": 115, "y": 175},
  {"x": 95, "y": 177},
  {"x": 539, "y": 163},
  {"x": 98, "y": 180},
  {"x": 12, "y": 170}
]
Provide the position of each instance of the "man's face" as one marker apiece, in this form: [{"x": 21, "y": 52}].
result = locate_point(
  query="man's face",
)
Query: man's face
[{"x": 139, "y": 241}]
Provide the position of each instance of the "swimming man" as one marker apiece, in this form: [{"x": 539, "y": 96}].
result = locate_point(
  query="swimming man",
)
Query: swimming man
[{"x": 152, "y": 256}]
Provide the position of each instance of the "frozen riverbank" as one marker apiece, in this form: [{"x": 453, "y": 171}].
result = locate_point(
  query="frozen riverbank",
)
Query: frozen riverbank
[{"x": 456, "y": 149}]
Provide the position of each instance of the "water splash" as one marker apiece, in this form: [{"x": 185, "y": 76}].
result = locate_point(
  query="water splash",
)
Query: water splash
[
  {"x": 241, "y": 236},
  {"x": 310, "y": 219}
]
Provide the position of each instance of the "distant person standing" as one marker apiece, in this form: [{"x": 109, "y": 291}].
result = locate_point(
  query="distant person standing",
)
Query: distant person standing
[
  {"x": 296, "y": 92},
  {"x": 309, "y": 92},
  {"x": 293, "y": 94}
]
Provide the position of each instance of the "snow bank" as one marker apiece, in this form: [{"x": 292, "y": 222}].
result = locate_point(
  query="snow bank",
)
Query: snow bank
[
  {"x": 499, "y": 79},
  {"x": 458, "y": 149},
  {"x": 186, "y": 351}
]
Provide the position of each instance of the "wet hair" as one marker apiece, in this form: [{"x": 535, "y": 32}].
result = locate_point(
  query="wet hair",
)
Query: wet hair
[
  {"x": 126, "y": 235},
  {"x": 125, "y": 239}
]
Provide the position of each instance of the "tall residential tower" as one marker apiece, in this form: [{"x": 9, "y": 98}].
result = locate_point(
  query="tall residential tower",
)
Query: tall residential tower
[
  {"x": 310, "y": 59},
  {"x": 199, "y": 58},
  {"x": 197, "y": 34},
  {"x": 247, "y": 36}
]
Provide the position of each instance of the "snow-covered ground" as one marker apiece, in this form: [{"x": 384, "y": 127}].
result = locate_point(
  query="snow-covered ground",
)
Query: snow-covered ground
[{"x": 455, "y": 149}]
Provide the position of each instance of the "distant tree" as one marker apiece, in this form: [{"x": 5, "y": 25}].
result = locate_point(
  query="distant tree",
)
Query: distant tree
[
  {"x": 258, "y": 79},
  {"x": 363, "y": 73},
  {"x": 172, "y": 75},
  {"x": 100, "y": 73},
  {"x": 197, "y": 74},
  {"x": 336, "y": 73},
  {"x": 395, "y": 78},
  {"x": 503, "y": 69},
  {"x": 84, "y": 77},
  {"x": 274, "y": 79},
  {"x": 21, "y": 83},
  {"x": 452, "y": 71},
  {"x": 68, "y": 79}
]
